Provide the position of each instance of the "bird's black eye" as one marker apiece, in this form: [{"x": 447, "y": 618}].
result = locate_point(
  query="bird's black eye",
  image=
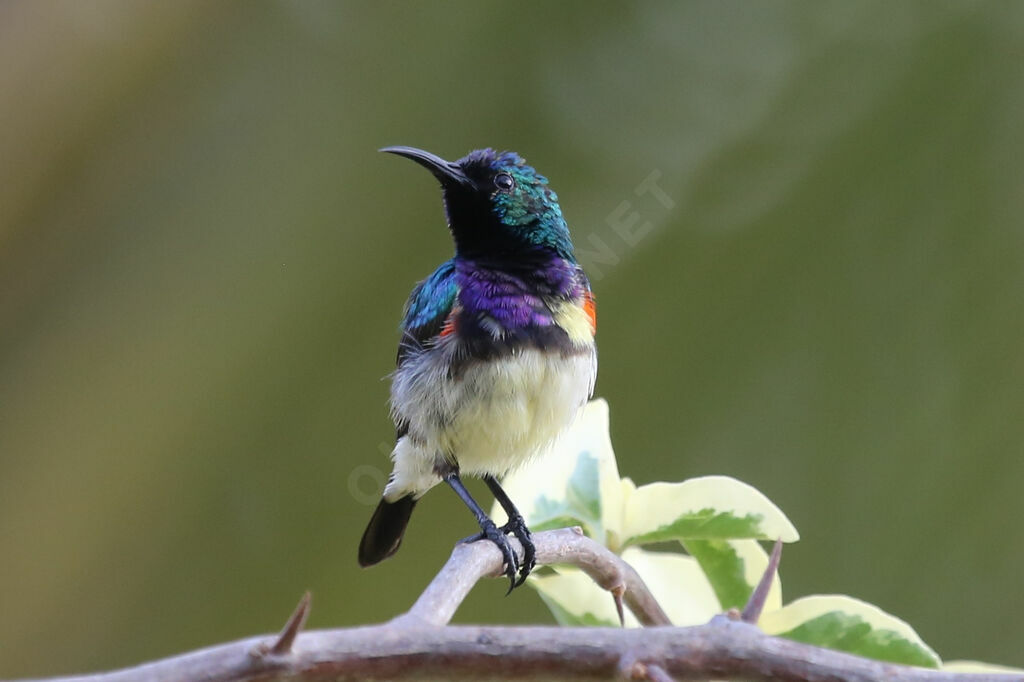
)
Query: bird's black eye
[{"x": 504, "y": 182}]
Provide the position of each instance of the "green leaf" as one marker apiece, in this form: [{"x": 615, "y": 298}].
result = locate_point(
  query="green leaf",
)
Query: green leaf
[
  {"x": 555, "y": 522},
  {"x": 704, "y": 523},
  {"x": 724, "y": 569},
  {"x": 547, "y": 513},
  {"x": 574, "y": 599},
  {"x": 847, "y": 624},
  {"x": 580, "y": 505},
  {"x": 566, "y": 618},
  {"x": 707, "y": 508},
  {"x": 677, "y": 583},
  {"x": 584, "y": 490},
  {"x": 733, "y": 567},
  {"x": 845, "y": 632}
]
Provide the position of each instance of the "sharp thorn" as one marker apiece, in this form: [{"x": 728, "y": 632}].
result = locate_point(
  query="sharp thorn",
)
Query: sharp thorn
[
  {"x": 617, "y": 593},
  {"x": 755, "y": 605},
  {"x": 284, "y": 642}
]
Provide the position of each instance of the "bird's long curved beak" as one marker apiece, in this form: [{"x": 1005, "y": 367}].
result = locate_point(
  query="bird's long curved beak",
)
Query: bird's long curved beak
[{"x": 448, "y": 173}]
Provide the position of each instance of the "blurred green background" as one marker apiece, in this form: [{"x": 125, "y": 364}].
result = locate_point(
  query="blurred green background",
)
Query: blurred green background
[{"x": 203, "y": 261}]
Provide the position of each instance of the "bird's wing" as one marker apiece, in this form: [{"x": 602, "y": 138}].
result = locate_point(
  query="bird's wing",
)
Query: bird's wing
[{"x": 428, "y": 311}]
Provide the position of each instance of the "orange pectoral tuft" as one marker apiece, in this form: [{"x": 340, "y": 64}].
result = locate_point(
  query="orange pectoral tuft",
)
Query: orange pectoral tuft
[
  {"x": 449, "y": 325},
  {"x": 590, "y": 308}
]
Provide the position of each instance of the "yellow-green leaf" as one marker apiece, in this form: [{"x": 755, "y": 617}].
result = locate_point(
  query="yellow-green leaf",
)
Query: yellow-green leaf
[
  {"x": 677, "y": 583},
  {"x": 574, "y": 598},
  {"x": 733, "y": 568},
  {"x": 707, "y": 508},
  {"x": 851, "y": 625}
]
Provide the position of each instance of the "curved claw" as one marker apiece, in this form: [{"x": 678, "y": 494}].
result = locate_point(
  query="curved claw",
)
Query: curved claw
[
  {"x": 517, "y": 527},
  {"x": 497, "y": 536}
]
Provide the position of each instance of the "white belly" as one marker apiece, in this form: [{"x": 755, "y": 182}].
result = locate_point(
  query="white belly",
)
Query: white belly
[{"x": 493, "y": 417}]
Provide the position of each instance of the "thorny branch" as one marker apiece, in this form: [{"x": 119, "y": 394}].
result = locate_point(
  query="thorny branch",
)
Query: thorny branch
[{"x": 421, "y": 645}]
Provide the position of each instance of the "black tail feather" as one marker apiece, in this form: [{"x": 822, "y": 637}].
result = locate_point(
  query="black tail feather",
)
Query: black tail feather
[{"x": 383, "y": 535}]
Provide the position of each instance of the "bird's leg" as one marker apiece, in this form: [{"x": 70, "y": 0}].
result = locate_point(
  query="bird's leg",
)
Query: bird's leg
[
  {"x": 517, "y": 526},
  {"x": 487, "y": 527}
]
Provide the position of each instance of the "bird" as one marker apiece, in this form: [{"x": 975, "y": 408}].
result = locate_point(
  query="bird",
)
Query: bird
[{"x": 497, "y": 354}]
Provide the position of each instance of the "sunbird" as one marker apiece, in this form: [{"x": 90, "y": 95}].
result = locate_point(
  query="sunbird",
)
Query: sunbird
[{"x": 497, "y": 352}]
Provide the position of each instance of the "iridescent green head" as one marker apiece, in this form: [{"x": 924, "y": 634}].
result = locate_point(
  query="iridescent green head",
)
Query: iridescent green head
[{"x": 497, "y": 205}]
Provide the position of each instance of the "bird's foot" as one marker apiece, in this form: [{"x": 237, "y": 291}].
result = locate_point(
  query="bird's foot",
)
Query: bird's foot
[
  {"x": 498, "y": 537},
  {"x": 489, "y": 531},
  {"x": 517, "y": 527}
]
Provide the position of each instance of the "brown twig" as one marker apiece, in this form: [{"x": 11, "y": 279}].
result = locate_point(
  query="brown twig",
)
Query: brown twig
[
  {"x": 721, "y": 650},
  {"x": 421, "y": 646},
  {"x": 470, "y": 562}
]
